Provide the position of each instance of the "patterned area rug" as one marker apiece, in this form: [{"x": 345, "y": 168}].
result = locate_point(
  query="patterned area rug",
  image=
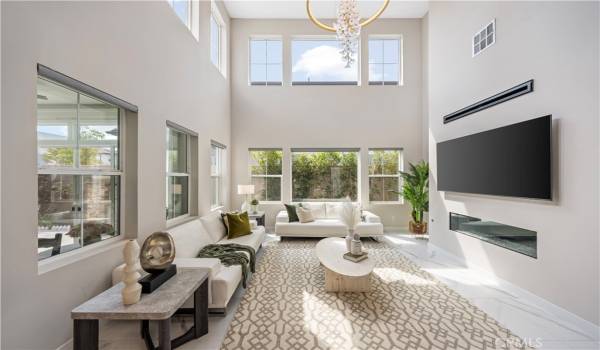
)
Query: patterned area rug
[{"x": 286, "y": 307}]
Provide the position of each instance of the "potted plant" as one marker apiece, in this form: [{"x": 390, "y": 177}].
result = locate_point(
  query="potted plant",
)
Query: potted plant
[
  {"x": 254, "y": 205},
  {"x": 415, "y": 189}
]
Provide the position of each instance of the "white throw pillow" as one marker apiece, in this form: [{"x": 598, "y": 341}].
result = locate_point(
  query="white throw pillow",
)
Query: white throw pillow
[
  {"x": 213, "y": 223},
  {"x": 304, "y": 215}
]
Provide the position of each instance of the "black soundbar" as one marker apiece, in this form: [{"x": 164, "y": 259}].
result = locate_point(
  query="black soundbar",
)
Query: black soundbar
[{"x": 504, "y": 96}]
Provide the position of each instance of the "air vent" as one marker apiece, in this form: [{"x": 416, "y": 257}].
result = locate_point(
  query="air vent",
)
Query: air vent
[
  {"x": 504, "y": 96},
  {"x": 484, "y": 38}
]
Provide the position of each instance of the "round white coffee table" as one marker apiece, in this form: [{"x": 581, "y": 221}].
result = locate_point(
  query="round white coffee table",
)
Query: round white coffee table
[{"x": 343, "y": 275}]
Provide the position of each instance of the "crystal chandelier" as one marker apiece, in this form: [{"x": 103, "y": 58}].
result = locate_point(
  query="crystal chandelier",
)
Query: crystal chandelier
[{"x": 347, "y": 26}]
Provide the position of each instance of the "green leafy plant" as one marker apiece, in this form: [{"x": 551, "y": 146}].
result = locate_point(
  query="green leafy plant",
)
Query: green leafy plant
[
  {"x": 415, "y": 189},
  {"x": 254, "y": 202}
]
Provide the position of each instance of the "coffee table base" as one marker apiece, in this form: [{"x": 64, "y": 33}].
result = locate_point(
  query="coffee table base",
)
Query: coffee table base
[{"x": 334, "y": 282}]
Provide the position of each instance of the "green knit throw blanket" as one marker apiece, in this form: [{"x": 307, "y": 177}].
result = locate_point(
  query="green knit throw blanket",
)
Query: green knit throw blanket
[{"x": 231, "y": 254}]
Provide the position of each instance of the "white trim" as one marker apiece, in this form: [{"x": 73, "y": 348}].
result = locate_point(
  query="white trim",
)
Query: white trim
[
  {"x": 400, "y": 39},
  {"x": 64, "y": 259}
]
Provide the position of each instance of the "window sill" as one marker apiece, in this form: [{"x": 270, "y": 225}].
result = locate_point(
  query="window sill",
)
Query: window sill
[
  {"x": 62, "y": 260},
  {"x": 180, "y": 220},
  {"x": 387, "y": 203},
  {"x": 217, "y": 208}
]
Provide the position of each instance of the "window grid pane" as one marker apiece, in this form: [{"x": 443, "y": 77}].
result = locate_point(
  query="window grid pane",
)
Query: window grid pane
[
  {"x": 265, "y": 62},
  {"x": 384, "y": 177},
  {"x": 266, "y": 169},
  {"x": 78, "y": 139},
  {"x": 215, "y": 45},
  {"x": 324, "y": 176},
  {"x": 384, "y": 61},
  {"x": 318, "y": 62}
]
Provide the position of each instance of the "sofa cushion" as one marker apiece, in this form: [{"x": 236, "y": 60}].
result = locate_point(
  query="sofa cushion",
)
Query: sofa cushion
[
  {"x": 318, "y": 209},
  {"x": 333, "y": 210},
  {"x": 189, "y": 238},
  {"x": 213, "y": 223},
  {"x": 254, "y": 240}
]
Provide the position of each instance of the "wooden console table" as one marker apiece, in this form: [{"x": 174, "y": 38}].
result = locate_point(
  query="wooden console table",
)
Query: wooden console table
[{"x": 159, "y": 305}]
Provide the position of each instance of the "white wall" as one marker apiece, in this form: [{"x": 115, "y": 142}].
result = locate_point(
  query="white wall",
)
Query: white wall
[
  {"x": 325, "y": 116},
  {"x": 557, "y": 45},
  {"x": 137, "y": 51}
]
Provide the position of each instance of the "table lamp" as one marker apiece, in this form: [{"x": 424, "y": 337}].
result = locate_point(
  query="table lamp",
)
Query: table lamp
[{"x": 246, "y": 190}]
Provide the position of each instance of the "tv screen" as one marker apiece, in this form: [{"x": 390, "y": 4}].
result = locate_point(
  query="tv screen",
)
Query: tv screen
[{"x": 512, "y": 161}]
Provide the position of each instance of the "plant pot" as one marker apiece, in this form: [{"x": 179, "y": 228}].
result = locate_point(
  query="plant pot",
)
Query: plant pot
[{"x": 417, "y": 228}]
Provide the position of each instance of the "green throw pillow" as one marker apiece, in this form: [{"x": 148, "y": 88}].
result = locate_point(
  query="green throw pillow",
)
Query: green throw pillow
[
  {"x": 239, "y": 225},
  {"x": 292, "y": 215}
]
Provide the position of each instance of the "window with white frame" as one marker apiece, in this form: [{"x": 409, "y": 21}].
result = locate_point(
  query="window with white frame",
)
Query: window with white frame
[
  {"x": 324, "y": 174},
  {"x": 79, "y": 169},
  {"x": 183, "y": 9},
  {"x": 384, "y": 174},
  {"x": 266, "y": 172},
  {"x": 217, "y": 182},
  {"x": 384, "y": 61},
  {"x": 265, "y": 61},
  {"x": 178, "y": 179},
  {"x": 217, "y": 39},
  {"x": 317, "y": 61}
]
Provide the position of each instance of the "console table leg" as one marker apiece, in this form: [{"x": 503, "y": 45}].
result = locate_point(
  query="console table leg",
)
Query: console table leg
[
  {"x": 201, "y": 310},
  {"x": 164, "y": 334},
  {"x": 85, "y": 335}
]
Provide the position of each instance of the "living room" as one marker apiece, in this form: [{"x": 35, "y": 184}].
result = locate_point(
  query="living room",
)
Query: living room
[{"x": 260, "y": 117}]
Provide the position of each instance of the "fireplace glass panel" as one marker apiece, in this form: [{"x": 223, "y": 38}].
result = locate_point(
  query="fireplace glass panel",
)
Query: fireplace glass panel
[{"x": 510, "y": 237}]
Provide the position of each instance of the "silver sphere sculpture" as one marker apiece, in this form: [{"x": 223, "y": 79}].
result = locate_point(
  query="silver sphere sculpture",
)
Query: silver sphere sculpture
[{"x": 158, "y": 252}]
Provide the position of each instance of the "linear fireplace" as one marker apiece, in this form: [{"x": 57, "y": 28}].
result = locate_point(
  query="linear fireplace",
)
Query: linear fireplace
[{"x": 510, "y": 237}]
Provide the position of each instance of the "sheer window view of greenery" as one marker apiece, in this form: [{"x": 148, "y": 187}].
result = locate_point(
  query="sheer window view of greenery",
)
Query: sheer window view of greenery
[
  {"x": 324, "y": 176},
  {"x": 177, "y": 201},
  {"x": 78, "y": 169},
  {"x": 266, "y": 171},
  {"x": 384, "y": 177}
]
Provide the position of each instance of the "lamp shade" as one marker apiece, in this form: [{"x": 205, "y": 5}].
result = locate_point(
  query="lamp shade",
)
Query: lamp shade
[{"x": 245, "y": 189}]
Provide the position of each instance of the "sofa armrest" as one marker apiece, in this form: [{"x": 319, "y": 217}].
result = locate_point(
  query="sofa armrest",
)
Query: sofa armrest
[
  {"x": 282, "y": 216},
  {"x": 370, "y": 217}
]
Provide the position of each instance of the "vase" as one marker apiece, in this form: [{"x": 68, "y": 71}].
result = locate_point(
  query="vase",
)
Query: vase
[
  {"x": 417, "y": 228},
  {"x": 356, "y": 247},
  {"x": 349, "y": 240},
  {"x": 132, "y": 291},
  {"x": 254, "y": 208}
]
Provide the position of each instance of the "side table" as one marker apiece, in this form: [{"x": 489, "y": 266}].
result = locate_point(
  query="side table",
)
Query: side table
[{"x": 159, "y": 305}]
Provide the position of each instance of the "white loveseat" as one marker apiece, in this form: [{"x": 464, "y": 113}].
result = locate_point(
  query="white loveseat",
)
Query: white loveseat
[
  {"x": 192, "y": 236},
  {"x": 327, "y": 223}
]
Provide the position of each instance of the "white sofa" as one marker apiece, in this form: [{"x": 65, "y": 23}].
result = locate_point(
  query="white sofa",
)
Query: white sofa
[
  {"x": 327, "y": 223},
  {"x": 192, "y": 236}
]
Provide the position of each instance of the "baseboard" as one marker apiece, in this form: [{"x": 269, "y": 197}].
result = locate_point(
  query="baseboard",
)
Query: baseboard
[
  {"x": 68, "y": 345},
  {"x": 590, "y": 329}
]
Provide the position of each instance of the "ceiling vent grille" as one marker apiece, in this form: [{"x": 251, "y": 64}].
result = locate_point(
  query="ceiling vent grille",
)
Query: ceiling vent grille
[{"x": 484, "y": 38}]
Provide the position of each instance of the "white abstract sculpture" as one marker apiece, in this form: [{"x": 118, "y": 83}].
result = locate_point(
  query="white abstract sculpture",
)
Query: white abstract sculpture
[
  {"x": 132, "y": 291},
  {"x": 350, "y": 216}
]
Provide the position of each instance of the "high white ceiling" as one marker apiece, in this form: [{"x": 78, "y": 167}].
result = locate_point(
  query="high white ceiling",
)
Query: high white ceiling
[{"x": 286, "y": 9}]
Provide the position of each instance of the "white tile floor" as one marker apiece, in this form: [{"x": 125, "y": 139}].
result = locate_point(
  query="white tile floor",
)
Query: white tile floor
[{"x": 523, "y": 315}]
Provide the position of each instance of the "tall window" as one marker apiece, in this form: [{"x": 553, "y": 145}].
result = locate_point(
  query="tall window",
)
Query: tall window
[
  {"x": 265, "y": 62},
  {"x": 217, "y": 39},
  {"x": 384, "y": 61},
  {"x": 183, "y": 9},
  {"x": 384, "y": 176},
  {"x": 178, "y": 174},
  {"x": 217, "y": 165},
  {"x": 324, "y": 175},
  {"x": 265, "y": 170},
  {"x": 79, "y": 169},
  {"x": 318, "y": 62}
]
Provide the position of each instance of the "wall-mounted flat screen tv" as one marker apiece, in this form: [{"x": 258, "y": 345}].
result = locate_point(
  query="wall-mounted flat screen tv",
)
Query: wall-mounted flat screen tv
[{"x": 513, "y": 160}]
